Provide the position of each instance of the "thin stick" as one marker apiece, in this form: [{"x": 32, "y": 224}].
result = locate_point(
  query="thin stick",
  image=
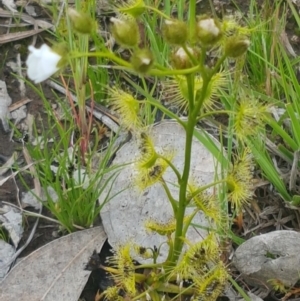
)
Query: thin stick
[
  {"x": 294, "y": 171},
  {"x": 19, "y": 104}
]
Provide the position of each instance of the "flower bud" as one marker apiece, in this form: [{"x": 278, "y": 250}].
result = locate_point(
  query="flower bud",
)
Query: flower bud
[
  {"x": 180, "y": 59},
  {"x": 142, "y": 60},
  {"x": 135, "y": 8},
  {"x": 82, "y": 22},
  {"x": 62, "y": 50},
  {"x": 236, "y": 46},
  {"x": 208, "y": 31},
  {"x": 125, "y": 32},
  {"x": 175, "y": 32}
]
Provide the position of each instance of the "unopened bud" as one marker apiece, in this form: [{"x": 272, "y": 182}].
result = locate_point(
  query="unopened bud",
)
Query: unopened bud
[
  {"x": 175, "y": 32},
  {"x": 180, "y": 59},
  {"x": 142, "y": 60},
  {"x": 125, "y": 32},
  {"x": 62, "y": 50},
  {"x": 236, "y": 46},
  {"x": 82, "y": 22},
  {"x": 208, "y": 31},
  {"x": 134, "y": 8}
]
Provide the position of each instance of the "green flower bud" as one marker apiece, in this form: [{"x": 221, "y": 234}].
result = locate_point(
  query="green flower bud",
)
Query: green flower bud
[
  {"x": 82, "y": 23},
  {"x": 208, "y": 31},
  {"x": 62, "y": 50},
  {"x": 236, "y": 46},
  {"x": 125, "y": 32},
  {"x": 175, "y": 32},
  {"x": 142, "y": 60},
  {"x": 180, "y": 60},
  {"x": 134, "y": 8}
]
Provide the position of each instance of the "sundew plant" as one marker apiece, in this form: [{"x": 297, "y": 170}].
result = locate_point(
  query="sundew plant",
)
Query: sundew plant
[{"x": 194, "y": 80}]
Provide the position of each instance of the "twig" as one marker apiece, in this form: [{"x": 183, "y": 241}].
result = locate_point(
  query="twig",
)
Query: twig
[
  {"x": 20, "y": 79},
  {"x": 8, "y": 164},
  {"x": 19, "y": 104},
  {"x": 294, "y": 171},
  {"x": 61, "y": 11},
  {"x": 2, "y": 181}
]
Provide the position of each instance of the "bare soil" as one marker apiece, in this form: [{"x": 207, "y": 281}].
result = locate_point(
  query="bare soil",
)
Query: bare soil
[{"x": 9, "y": 192}]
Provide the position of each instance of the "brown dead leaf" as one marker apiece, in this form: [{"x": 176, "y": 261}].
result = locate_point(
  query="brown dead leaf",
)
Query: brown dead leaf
[{"x": 55, "y": 271}]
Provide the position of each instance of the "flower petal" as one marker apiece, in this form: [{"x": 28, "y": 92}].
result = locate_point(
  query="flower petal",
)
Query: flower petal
[{"x": 41, "y": 63}]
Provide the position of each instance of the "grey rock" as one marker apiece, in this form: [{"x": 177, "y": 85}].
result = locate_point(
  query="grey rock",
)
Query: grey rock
[{"x": 274, "y": 255}]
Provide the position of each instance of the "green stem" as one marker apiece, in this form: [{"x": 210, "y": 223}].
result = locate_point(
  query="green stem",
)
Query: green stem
[
  {"x": 178, "y": 241},
  {"x": 203, "y": 188},
  {"x": 80, "y": 78},
  {"x": 188, "y": 222},
  {"x": 173, "y": 288},
  {"x": 170, "y": 197},
  {"x": 190, "y": 55},
  {"x": 139, "y": 278},
  {"x": 191, "y": 88},
  {"x": 158, "y": 12},
  {"x": 239, "y": 289},
  {"x": 84, "y": 41},
  {"x": 180, "y": 9},
  {"x": 207, "y": 114},
  {"x": 159, "y": 106},
  {"x": 141, "y": 296},
  {"x": 218, "y": 64},
  {"x": 173, "y": 168},
  {"x": 149, "y": 266},
  {"x": 123, "y": 63},
  {"x": 105, "y": 54},
  {"x": 192, "y": 20},
  {"x": 191, "y": 123},
  {"x": 154, "y": 296}
]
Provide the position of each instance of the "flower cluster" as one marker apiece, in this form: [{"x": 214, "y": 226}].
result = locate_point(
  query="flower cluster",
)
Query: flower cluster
[{"x": 209, "y": 32}]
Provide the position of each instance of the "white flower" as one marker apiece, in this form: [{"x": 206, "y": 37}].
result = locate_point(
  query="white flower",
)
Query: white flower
[
  {"x": 209, "y": 26},
  {"x": 182, "y": 54},
  {"x": 181, "y": 60},
  {"x": 41, "y": 63},
  {"x": 208, "y": 31}
]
